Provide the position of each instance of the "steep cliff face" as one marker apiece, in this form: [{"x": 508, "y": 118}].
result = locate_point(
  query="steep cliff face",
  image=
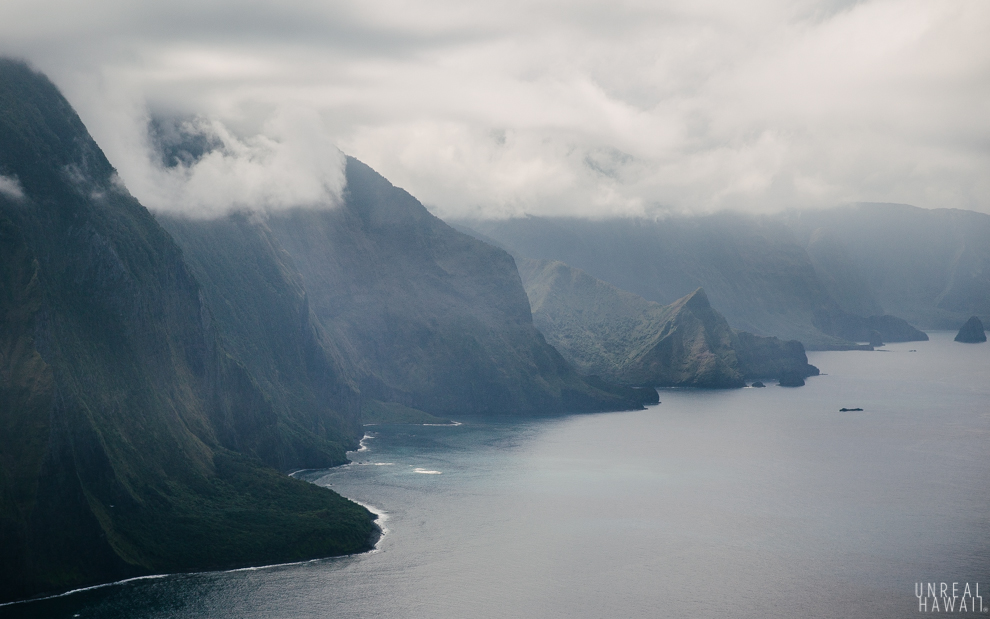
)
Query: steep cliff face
[
  {"x": 27, "y": 394},
  {"x": 431, "y": 318},
  {"x": 613, "y": 333},
  {"x": 120, "y": 403},
  {"x": 309, "y": 410}
]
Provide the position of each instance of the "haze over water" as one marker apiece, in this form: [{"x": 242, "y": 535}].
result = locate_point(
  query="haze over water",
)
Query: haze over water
[{"x": 739, "y": 503}]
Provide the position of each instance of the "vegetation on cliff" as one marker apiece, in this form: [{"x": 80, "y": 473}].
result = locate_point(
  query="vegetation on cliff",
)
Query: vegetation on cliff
[
  {"x": 135, "y": 438},
  {"x": 618, "y": 335}
]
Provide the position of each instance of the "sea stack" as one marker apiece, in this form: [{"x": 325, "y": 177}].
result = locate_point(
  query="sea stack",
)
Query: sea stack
[
  {"x": 876, "y": 340},
  {"x": 791, "y": 379},
  {"x": 972, "y": 332}
]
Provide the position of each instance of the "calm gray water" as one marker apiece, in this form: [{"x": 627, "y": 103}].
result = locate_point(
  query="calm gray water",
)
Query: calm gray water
[{"x": 743, "y": 503}]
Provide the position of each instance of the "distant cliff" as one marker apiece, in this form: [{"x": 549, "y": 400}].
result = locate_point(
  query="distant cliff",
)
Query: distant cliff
[
  {"x": 759, "y": 271},
  {"x": 928, "y": 266},
  {"x": 609, "y": 332}
]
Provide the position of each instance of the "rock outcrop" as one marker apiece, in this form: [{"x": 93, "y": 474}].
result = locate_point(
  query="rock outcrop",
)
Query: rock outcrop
[
  {"x": 791, "y": 379},
  {"x": 618, "y": 335},
  {"x": 972, "y": 332}
]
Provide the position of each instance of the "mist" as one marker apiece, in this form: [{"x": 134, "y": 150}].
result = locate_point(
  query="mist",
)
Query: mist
[
  {"x": 541, "y": 108},
  {"x": 291, "y": 163},
  {"x": 11, "y": 187}
]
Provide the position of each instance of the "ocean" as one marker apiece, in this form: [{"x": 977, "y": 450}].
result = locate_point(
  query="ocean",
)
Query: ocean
[{"x": 738, "y": 503}]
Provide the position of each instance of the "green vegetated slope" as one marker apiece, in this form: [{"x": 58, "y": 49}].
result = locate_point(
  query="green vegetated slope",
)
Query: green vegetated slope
[
  {"x": 623, "y": 337},
  {"x": 123, "y": 450},
  {"x": 433, "y": 319},
  {"x": 754, "y": 269}
]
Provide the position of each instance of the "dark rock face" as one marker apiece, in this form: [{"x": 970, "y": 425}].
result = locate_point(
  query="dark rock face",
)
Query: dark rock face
[
  {"x": 770, "y": 357},
  {"x": 876, "y": 340},
  {"x": 791, "y": 379},
  {"x": 131, "y": 428},
  {"x": 623, "y": 337},
  {"x": 261, "y": 315},
  {"x": 972, "y": 332}
]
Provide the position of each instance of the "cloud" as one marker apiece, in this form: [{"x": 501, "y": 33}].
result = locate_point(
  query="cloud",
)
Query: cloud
[
  {"x": 291, "y": 162},
  {"x": 11, "y": 187},
  {"x": 541, "y": 107}
]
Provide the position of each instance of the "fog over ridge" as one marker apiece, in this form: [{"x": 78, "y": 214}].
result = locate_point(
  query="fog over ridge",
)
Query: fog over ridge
[
  {"x": 199, "y": 167},
  {"x": 544, "y": 108}
]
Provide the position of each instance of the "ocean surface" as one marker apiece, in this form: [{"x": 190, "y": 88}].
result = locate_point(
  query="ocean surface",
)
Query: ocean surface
[{"x": 741, "y": 503}]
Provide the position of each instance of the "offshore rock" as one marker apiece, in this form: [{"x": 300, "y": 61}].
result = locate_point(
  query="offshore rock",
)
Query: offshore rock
[{"x": 972, "y": 332}]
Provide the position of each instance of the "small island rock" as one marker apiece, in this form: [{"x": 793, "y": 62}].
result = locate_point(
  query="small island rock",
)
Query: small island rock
[
  {"x": 876, "y": 340},
  {"x": 758, "y": 384},
  {"x": 972, "y": 332},
  {"x": 791, "y": 379}
]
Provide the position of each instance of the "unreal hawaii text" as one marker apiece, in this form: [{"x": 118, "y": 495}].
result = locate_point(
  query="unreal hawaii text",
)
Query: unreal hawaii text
[{"x": 945, "y": 597}]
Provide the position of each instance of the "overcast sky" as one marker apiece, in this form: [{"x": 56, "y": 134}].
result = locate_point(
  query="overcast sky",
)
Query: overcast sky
[{"x": 543, "y": 107}]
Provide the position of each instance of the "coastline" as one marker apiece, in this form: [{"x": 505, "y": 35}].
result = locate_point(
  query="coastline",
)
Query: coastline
[{"x": 379, "y": 530}]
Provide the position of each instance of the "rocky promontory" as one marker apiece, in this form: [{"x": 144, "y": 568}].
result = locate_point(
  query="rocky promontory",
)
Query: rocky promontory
[
  {"x": 622, "y": 337},
  {"x": 972, "y": 332}
]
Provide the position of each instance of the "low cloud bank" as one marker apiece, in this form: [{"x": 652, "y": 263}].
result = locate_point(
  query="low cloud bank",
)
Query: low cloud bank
[
  {"x": 542, "y": 107},
  {"x": 199, "y": 168}
]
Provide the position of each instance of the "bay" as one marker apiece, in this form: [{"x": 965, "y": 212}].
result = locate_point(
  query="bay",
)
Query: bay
[{"x": 743, "y": 503}]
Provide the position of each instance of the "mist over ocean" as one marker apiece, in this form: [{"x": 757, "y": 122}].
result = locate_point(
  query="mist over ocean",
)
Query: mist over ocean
[{"x": 737, "y": 503}]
